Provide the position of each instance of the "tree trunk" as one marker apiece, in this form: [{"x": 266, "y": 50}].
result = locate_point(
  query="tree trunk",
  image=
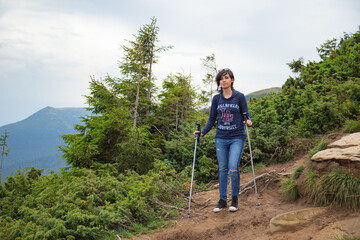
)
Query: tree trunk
[
  {"x": 182, "y": 110},
  {"x": 138, "y": 88},
  {"x": 136, "y": 102},
  {"x": 148, "y": 96},
  {"x": 177, "y": 113}
]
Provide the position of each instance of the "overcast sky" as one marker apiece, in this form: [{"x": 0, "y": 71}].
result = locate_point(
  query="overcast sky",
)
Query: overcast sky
[{"x": 50, "y": 48}]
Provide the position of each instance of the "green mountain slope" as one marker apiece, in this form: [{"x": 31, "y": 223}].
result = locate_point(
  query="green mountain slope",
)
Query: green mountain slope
[{"x": 263, "y": 92}]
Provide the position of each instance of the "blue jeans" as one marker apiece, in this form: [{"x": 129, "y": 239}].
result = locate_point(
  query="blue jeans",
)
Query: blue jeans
[{"x": 229, "y": 152}]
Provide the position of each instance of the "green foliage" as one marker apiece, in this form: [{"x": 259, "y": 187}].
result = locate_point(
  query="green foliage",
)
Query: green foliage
[
  {"x": 336, "y": 188},
  {"x": 297, "y": 172},
  {"x": 109, "y": 137},
  {"x": 289, "y": 189},
  {"x": 318, "y": 114},
  {"x": 352, "y": 126},
  {"x": 321, "y": 145},
  {"x": 347, "y": 238},
  {"x": 208, "y": 169},
  {"x": 136, "y": 65},
  {"x": 177, "y": 104},
  {"x": 138, "y": 152},
  {"x": 310, "y": 179},
  {"x": 248, "y": 169},
  {"x": 179, "y": 152},
  {"x": 270, "y": 134},
  {"x": 3, "y": 144},
  {"x": 327, "y": 48},
  {"x": 296, "y": 66},
  {"x": 210, "y": 66},
  {"x": 117, "y": 134},
  {"x": 319, "y": 99},
  {"x": 34, "y": 173},
  {"x": 81, "y": 205},
  {"x": 98, "y": 140}
]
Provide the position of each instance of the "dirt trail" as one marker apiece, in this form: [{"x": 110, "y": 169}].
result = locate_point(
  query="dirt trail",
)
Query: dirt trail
[{"x": 250, "y": 221}]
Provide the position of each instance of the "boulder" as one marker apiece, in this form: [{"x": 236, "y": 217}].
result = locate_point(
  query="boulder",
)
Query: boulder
[
  {"x": 347, "y": 148},
  {"x": 349, "y": 227},
  {"x": 295, "y": 220},
  {"x": 347, "y": 141},
  {"x": 350, "y": 153}
]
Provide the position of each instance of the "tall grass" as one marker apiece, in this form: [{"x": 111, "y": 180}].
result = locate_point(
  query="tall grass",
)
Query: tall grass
[
  {"x": 352, "y": 126},
  {"x": 310, "y": 179},
  {"x": 319, "y": 147},
  {"x": 347, "y": 238},
  {"x": 289, "y": 189},
  {"x": 335, "y": 188},
  {"x": 297, "y": 172}
]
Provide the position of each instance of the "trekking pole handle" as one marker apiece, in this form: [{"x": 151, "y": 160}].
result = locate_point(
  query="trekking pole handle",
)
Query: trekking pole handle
[
  {"x": 198, "y": 128},
  {"x": 245, "y": 116}
]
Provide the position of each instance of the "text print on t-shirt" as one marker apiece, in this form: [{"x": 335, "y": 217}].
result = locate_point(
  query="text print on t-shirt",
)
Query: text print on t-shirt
[{"x": 226, "y": 116}]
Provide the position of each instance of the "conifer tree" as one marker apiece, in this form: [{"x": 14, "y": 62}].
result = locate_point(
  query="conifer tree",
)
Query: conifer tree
[
  {"x": 137, "y": 64},
  {"x": 108, "y": 137},
  {"x": 209, "y": 63},
  {"x": 177, "y": 100}
]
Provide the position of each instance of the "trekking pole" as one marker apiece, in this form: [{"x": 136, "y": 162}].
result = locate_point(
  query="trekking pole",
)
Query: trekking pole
[
  {"x": 197, "y": 139},
  {"x": 246, "y": 117}
]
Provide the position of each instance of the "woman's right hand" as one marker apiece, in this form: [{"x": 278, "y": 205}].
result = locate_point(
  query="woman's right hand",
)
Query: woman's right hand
[{"x": 197, "y": 132}]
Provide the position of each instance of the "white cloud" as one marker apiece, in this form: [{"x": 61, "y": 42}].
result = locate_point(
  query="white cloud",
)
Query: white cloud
[
  {"x": 52, "y": 38},
  {"x": 49, "y": 49},
  {"x": 56, "y": 54}
]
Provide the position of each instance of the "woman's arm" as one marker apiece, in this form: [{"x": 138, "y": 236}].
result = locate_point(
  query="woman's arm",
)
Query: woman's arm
[{"x": 212, "y": 117}]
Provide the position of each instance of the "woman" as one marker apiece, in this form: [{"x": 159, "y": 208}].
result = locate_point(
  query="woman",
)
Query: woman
[{"x": 230, "y": 136}]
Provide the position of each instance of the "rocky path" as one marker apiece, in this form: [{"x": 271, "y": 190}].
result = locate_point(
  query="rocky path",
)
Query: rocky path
[{"x": 253, "y": 222}]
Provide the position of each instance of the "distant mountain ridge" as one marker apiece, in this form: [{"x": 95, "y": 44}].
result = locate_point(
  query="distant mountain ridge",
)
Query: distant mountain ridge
[
  {"x": 262, "y": 93},
  {"x": 34, "y": 140}
]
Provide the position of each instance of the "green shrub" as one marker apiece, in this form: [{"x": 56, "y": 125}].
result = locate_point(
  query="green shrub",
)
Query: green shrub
[
  {"x": 179, "y": 152},
  {"x": 289, "y": 189},
  {"x": 208, "y": 169},
  {"x": 79, "y": 204},
  {"x": 352, "y": 126}
]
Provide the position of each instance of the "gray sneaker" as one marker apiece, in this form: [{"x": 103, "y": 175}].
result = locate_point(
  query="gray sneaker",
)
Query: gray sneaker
[{"x": 221, "y": 204}]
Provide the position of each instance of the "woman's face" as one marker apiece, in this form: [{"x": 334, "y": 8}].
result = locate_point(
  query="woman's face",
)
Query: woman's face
[{"x": 226, "y": 81}]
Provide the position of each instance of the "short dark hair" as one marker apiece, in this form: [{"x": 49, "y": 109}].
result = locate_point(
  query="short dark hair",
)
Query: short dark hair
[{"x": 221, "y": 73}]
